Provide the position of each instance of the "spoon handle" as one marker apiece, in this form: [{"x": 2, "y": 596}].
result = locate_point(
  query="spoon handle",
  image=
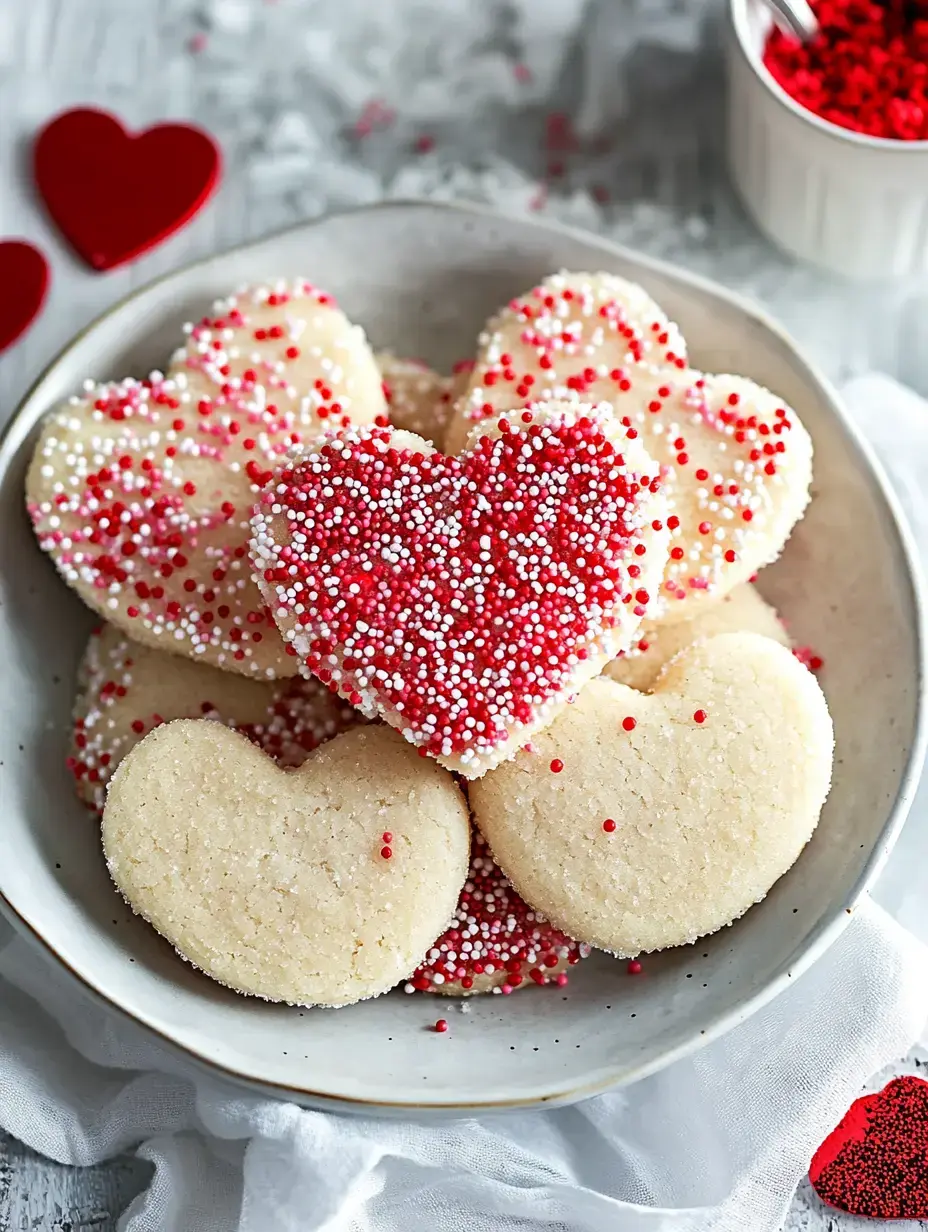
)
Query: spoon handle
[{"x": 796, "y": 16}]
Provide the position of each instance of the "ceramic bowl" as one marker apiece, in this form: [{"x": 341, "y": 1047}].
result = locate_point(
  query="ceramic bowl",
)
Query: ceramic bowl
[
  {"x": 855, "y": 204},
  {"x": 422, "y": 279}
]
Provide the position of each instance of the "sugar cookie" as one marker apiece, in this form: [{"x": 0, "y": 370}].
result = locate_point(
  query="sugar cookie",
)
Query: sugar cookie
[
  {"x": 741, "y": 610},
  {"x": 672, "y": 812},
  {"x": 286, "y": 345},
  {"x": 464, "y": 600},
  {"x": 125, "y": 689},
  {"x": 317, "y": 886},
  {"x": 496, "y": 942},
  {"x": 418, "y": 399},
  {"x": 142, "y": 491},
  {"x": 735, "y": 460}
]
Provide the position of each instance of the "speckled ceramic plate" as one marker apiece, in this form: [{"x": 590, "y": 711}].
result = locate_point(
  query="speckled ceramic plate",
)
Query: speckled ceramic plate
[{"x": 422, "y": 279}]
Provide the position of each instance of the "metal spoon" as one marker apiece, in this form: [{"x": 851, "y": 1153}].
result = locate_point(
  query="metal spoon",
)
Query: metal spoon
[{"x": 796, "y": 16}]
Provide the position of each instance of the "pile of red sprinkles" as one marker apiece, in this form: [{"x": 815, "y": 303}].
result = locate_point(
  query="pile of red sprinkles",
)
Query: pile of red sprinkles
[
  {"x": 866, "y": 70},
  {"x": 875, "y": 1163}
]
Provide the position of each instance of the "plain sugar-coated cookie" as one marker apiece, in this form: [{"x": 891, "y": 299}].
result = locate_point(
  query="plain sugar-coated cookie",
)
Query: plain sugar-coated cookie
[
  {"x": 496, "y": 941},
  {"x": 642, "y": 821},
  {"x": 141, "y": 491},
  {"x": 736, "y": 462},
  {"x": 741, "y": 610},
  {"x": 317, "y": 886},
  {"x": 464, "y": 600},
  {"x": 125, "y": 689},
  {"x": 418, "y": 399}
]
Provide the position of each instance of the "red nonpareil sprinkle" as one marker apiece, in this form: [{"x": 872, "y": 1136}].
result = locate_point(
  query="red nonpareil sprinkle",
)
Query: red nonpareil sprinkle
[
  {"x": 387, "y": 853},
  {"x": 557, "y": 766},
  {"x": 634, "y": 967},
  {"x": 808, "y": 658},
  {"x": 629, "y": 724},
  {"x": 700, "y": 716},
  {"x": 875, "y": 1163},
  {"x": 495, "y": 933},
  {"x": 866, "y": 70},
  {"x": 441, "y": 1026},
  {"x": 609, "y": 825},
  {"x": 455, "y": 595}
]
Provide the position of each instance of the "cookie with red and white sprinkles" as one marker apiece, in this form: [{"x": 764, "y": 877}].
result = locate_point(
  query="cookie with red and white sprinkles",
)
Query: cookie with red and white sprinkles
[
  {"x": 563, "y": 334},
  {"x": 464, "y": 600},
  {"x": 126, "y": 689},
  {"x": 735, "y": 460},
  {"x": 497, "y": 942},
  {"x": 141, "y": 491},
  {"x": 287, "y": 345},
  {"x": 418, "y": 399},
  {"x": 671, "y": 812}
]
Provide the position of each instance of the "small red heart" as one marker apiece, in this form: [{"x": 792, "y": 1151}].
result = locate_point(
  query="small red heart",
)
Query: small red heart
[
  {"x": 115, "y": 194},
  {"x": 876, "y": 1162},
  {"x": 24, "y": 277}
]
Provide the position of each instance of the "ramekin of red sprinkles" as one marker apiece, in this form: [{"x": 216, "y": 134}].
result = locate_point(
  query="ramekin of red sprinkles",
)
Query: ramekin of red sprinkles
[{"x": 828, "y": 142}]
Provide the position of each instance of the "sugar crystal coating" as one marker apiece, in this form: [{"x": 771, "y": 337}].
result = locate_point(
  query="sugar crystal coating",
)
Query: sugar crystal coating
[{"x": 715, "y": 781}]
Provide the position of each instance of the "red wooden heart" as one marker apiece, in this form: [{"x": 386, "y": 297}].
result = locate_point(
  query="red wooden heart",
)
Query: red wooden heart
[
  {"x": 876, "y": 1162},
  {"x": 114, "y": 194},
  {"x": 24, "y": 278}
]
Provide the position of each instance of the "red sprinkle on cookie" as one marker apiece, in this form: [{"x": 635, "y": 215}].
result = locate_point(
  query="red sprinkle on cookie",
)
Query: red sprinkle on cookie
[
  {"x": 496, "y": 943},
  {"x": 464, "y": 600}
]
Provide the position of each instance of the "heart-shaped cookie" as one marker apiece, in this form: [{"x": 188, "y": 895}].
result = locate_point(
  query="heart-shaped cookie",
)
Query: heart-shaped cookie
[
  {"x": 496, "y": 941},
  {"x": 418, "y": 399},
  {"x": 116, "y": 194},
  {"x": 735, "y": 460},
  {"x": 464, "y": 600},
  {"x": 125, "y": 689},
  {"x": 671, "y": 812},
  {"x": 142, "y": 491},
  {"x": 317, "y": 886},
  {"x": 875, "y": 1163},
  {"x": 741, "y": 610}
]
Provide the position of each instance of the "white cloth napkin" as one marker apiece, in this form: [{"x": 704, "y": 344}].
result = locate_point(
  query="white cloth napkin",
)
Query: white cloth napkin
[{"x": 714, "y": 1143}]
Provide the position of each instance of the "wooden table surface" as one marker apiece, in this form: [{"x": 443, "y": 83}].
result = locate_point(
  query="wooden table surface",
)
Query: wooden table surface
[{"x": 283, "y": 85}]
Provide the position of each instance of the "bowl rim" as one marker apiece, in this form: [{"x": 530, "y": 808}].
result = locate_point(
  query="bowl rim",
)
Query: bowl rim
[
  {"x": 819, "y": 939},
  {"x": 737, "y": 11}
]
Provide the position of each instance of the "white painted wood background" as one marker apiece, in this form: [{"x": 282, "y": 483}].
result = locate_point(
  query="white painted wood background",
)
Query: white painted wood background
[{"x": 283, "y": 82}]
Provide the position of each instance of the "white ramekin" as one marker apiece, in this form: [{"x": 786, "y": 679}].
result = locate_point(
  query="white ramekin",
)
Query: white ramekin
[{"x": 855, "y": 205}]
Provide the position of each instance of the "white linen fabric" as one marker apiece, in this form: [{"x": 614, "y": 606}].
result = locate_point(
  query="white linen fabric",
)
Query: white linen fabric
[{"x": 715, "y": 1143}]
